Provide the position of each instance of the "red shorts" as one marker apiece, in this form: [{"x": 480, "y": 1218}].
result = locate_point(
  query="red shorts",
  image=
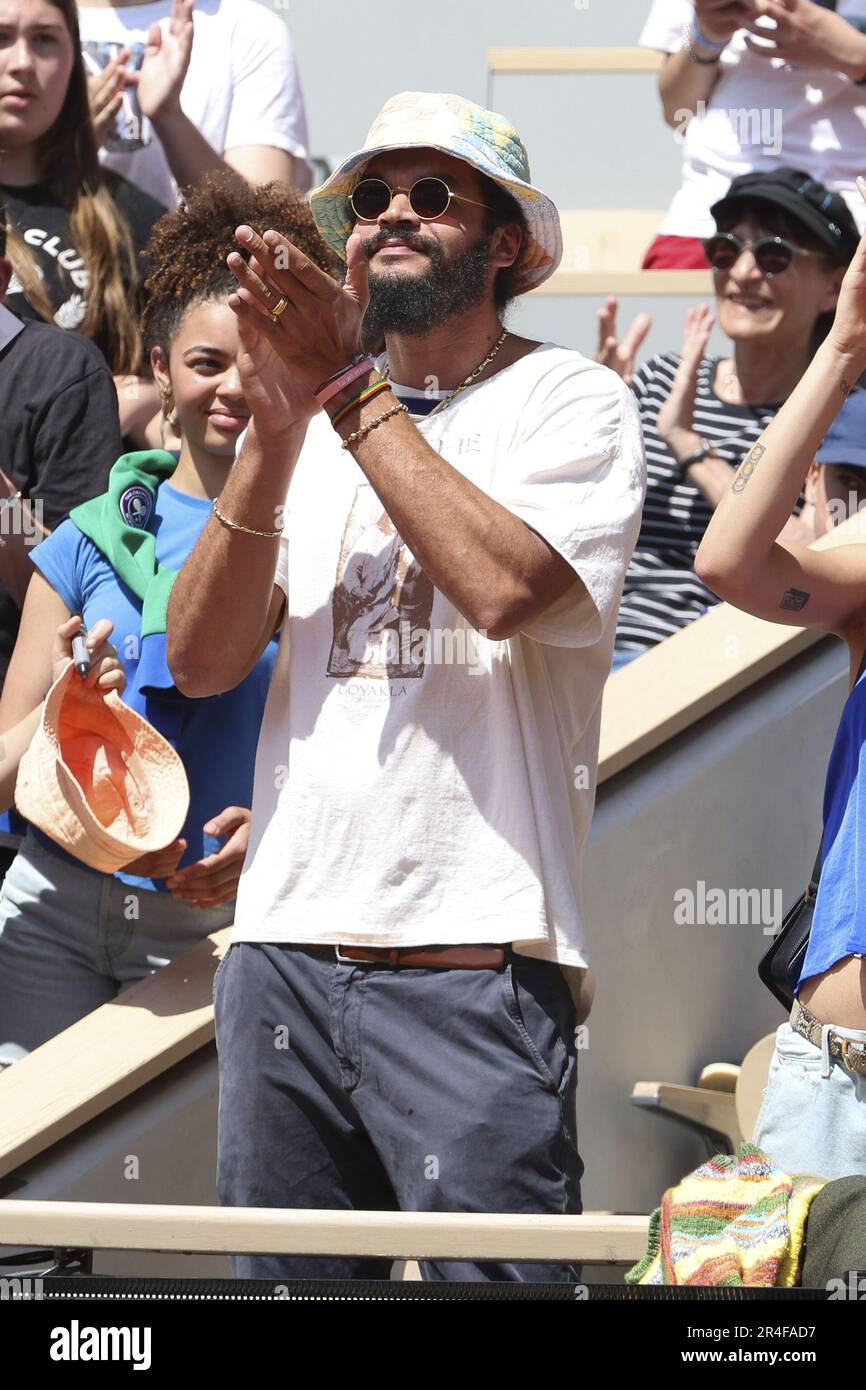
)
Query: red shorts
[{"x": 675, "y": 253}]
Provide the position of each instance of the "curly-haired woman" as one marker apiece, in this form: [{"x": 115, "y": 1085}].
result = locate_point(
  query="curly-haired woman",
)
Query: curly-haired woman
[{"x": 70, "y": 937}]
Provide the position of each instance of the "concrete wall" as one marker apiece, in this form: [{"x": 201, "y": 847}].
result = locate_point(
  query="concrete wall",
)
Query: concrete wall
[{"x": 735, "y": 802}]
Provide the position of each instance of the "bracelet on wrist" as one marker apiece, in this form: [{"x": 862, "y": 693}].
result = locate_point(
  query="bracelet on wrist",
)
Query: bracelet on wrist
[
  {"x": 368, "y": 394},
  {"x": 248, "y": 530},
  {"x": 357, "y": 435},
  {"x": 694, "y": 55},
  {"x": 696, "y": 457},
  {"x": 703, "y": 40},
  {"x": 360, "y": 365}
]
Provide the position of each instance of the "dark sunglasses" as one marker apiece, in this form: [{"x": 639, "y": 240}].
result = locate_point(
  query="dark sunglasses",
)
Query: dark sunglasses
[
  {"x": 428, "y": 198},
  {"x": 772, "y": 254}
]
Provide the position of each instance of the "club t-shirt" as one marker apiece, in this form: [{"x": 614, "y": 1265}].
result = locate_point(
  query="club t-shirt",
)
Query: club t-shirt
[
  {"x": 43, "y": 224},
  {"x": 242, "y": 86},
  {"x": 417, "y": 782},
  {"x": 59, "y": 431},
  {"x": 216, "y": 736},
  {"x": 763, "y": 113}
]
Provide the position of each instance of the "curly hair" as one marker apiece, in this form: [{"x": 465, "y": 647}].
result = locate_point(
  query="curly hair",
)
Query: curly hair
[{"x": 188, "y": 248}]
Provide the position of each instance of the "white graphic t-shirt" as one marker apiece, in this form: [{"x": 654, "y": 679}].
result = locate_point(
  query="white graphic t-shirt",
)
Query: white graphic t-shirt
[
  {"x": 242, "y": 86},
  {"x": 417, "y": 782},
  {"x": 763, "y": 113}
]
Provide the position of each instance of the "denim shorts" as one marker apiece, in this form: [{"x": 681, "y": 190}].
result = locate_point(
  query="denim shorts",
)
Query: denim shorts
[
  {"x": 810, "y": 1123},
  {"x": 72, "y": 939}
]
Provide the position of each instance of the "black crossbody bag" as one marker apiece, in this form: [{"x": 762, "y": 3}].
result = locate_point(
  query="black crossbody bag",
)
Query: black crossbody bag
[{"x": 779, "y": 968}]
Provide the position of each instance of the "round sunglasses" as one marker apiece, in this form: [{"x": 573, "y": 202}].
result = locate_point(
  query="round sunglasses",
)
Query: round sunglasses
[
  {"x": 772, "y": 254},
  {"x": 428, "y": 198}
]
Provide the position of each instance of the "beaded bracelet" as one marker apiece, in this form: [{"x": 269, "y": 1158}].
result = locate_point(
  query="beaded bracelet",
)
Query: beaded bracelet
[
  {"x": 368, "y": 394},
  {"x": 371, "y": 424}
]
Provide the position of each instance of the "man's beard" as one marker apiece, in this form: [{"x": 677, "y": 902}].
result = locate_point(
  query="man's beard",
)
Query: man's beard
[{"x": 415, "y": 303}]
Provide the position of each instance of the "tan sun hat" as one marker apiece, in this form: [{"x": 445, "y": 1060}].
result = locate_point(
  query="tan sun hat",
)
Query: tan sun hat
[
  {"x": 100, "y": 780},
  {"x": 451, "y": 124}
]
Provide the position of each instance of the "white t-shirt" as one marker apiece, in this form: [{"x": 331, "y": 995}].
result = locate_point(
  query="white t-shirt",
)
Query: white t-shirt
[
  {"x": 405, "y": 796},
  {"x": 242, "y": 87},
  {"x": 763, "y": 113}
]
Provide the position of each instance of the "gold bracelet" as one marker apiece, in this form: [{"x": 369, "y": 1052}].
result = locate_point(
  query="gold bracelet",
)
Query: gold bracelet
[
  {"x": 371, "y": 424},
  {"x": 248, "y": 530}
]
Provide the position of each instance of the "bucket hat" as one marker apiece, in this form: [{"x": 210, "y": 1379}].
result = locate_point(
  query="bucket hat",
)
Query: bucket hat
[
  {"x": 100, "y": 780},
  {"x": 457, "y": 127}
]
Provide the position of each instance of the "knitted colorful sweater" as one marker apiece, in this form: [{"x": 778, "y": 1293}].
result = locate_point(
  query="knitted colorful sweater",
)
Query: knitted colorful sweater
[{"x": 736, "y": 1220}]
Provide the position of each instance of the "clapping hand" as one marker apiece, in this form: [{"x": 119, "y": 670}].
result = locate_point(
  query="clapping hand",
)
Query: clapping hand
[
  {"x": 675, "y": 419},
  {"x": 619, "y": 356},
  {"x": 318, "y": 328},
  {"x": 166, "y": 62},
  {"x": 848, "y": 334},
  {"x": 807, "y": 35},
  {"x": 105, "y": 93}
]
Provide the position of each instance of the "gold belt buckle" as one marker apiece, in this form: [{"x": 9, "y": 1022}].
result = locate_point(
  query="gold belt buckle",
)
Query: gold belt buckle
[{"x": 845, "y": 1043}]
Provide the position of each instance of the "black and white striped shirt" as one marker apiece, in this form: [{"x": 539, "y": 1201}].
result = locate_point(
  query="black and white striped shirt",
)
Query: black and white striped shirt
[{"x": 662, "y": 593}]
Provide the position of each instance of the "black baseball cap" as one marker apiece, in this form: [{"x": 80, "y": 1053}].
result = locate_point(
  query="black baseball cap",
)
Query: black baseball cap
[
  {"x": 826, "y": 214},
  {"x": 845, "y": 441}
]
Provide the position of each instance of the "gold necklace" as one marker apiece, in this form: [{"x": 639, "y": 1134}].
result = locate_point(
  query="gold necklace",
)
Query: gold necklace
[{"x": 469, "y": 380}]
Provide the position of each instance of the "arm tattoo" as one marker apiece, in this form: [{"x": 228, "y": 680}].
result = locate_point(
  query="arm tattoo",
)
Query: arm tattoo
[
  {"x": 794, "y": 599},
  {"x": 747, "y": 468}
]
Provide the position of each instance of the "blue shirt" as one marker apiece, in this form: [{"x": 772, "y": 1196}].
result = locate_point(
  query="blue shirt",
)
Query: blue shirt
[
  {"x": 216, "y": 737},
  {"x": 839, "y": 919}
]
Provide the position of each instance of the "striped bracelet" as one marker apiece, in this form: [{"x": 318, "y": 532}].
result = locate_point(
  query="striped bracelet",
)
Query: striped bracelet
[{"x": 368, "y": 394}]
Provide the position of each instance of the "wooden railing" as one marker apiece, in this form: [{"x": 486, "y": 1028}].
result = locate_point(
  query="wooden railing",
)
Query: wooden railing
[{"x": 405, "y": 1235}]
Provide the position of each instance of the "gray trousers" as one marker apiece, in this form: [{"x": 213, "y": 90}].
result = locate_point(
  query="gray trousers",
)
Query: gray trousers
[{"x": 367, "y": 1087}]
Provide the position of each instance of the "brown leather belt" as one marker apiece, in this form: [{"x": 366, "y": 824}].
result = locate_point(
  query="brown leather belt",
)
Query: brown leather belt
[
  {"x": 437, "y": 957},
  {"x": 849, "y": 1050}
]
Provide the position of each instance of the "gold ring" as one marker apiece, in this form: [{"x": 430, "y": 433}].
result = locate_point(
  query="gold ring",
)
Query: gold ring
[{"x": 280, "y": 308}]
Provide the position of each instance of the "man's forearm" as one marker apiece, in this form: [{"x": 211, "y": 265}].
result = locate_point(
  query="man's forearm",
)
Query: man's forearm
[
  {"x": 684, "y": 83},
  {"x": 220, "y": 600},
  {"x": 189, "y": 155},
  {"x": 474, "y": 550}
]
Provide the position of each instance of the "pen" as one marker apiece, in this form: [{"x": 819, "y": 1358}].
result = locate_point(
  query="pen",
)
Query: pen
[{"x": 80, "y": 654}]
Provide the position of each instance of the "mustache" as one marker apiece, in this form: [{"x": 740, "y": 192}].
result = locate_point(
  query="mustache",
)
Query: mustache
[{"x": 412, "y": 239}]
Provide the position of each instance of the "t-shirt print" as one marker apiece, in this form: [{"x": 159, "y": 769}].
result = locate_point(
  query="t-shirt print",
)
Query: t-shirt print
[{"x": 382, "y": 598}]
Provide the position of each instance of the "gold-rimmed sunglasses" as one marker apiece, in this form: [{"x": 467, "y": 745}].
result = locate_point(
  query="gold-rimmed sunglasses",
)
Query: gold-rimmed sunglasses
[{"x": 428, "y": 198}]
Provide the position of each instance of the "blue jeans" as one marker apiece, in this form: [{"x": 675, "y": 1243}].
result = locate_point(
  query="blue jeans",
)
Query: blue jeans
[
  {"x": 371, "y": 1088},
  {"x": 808, "y": 1122},
  {"x": 72, "y": 939}
]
